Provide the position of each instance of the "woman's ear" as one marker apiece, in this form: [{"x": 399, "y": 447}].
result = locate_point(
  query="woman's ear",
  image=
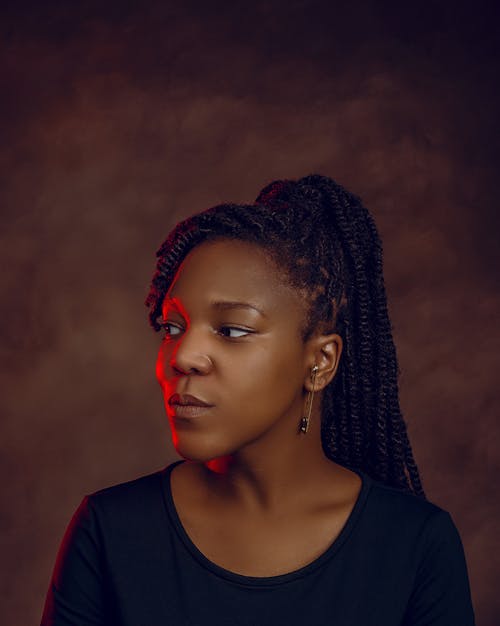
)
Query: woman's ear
[{"x": 325, "y": 352}]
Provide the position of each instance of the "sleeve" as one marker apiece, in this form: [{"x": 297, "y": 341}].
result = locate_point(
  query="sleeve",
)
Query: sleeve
[
  {"x": 76, "y": 591},
  {"x": 441, "y": 595}
]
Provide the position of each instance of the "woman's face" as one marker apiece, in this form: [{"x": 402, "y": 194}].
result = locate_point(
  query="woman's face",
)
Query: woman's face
[{"x": 249, "y": 365}]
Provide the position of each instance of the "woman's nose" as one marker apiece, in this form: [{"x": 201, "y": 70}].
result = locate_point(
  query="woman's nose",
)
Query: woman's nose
[
  {"x": 197, "y": 363},
  {"x": 187, "y": 356}
]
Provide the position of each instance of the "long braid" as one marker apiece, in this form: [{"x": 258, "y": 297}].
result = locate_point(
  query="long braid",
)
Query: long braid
[
  {"x": 328, "y": 244},
  {"x": 390, "y": 456}
]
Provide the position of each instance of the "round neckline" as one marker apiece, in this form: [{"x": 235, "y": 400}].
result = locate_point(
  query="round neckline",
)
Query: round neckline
[{"x": 330, "y": 551}]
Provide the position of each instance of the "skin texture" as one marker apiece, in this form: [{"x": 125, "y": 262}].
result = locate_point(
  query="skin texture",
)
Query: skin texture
[{"x": 249, "y": 470}]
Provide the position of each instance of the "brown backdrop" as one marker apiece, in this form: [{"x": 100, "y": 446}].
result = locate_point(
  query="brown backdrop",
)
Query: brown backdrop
[{"x": 120, "y": 119}]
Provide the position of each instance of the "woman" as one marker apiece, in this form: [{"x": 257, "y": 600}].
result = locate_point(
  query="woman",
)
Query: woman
[{"x": 297, "y": 500}]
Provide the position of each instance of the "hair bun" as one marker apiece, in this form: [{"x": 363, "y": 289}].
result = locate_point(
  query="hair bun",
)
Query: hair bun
[
  {"x": 274, "y": 192},
  {"x": 307, "y": 193}
]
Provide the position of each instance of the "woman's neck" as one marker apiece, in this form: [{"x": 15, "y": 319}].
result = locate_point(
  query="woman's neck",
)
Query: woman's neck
[{"x": 274, "y": 474}]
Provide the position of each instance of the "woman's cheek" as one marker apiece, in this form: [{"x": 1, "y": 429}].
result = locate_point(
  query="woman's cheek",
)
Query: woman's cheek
[{"x": 160, "y": 366}]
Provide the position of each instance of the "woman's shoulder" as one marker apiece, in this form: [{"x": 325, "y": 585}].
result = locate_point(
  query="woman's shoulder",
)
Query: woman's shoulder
[
  {"x": 399, "y": 511},
  {"x": 399, "y": 525},
  {"x": 135, "y": 496}
]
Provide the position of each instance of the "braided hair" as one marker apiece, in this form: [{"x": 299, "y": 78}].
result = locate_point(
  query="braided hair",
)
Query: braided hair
[{"x": 328, "y": 245}]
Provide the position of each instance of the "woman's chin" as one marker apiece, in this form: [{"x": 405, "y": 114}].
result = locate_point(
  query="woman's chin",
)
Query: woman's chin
[{"x": 197, "y": 451}]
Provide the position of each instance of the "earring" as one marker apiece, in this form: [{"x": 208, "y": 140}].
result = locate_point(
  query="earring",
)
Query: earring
[{"x": 304, "y": 422}]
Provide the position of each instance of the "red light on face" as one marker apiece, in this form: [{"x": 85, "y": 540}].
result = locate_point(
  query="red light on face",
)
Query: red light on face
[
  {"x": 159, "y": 371},
  {"x": 175, "y": 439}
]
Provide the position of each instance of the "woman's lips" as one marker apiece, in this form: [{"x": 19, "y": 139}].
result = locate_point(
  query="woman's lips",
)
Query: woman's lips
[
  {"x": 187, "y": 399},
  {"x": 189, "y": 410}
]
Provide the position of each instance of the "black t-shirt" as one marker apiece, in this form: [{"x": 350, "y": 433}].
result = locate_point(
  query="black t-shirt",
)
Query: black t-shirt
[{"x": 126, "y": 560}]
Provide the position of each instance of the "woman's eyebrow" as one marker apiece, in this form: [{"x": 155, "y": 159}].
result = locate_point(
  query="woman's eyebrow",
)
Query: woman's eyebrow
[
  {"x": 235, "y": 304},
  {"x": 219, "y": 304}
]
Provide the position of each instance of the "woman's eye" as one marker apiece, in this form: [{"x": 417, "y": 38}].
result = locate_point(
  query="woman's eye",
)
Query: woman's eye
[
  {"x": 169, "y": 333},
  {"x": 164, "y": 326},
  {"x": 238, "y": 330}
]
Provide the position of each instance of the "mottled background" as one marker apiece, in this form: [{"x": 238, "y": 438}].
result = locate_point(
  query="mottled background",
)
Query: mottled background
[{"x": 120, "y": 118}]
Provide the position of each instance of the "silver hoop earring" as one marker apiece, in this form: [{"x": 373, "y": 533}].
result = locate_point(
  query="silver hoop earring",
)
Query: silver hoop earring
[{"x": 304, "y": 422}]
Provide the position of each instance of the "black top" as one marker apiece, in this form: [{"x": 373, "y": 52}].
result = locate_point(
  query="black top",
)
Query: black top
[{"x": 126, "y": 560}]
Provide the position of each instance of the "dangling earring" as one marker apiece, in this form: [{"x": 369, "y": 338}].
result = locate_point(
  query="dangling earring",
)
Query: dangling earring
[{"x": 304, "y": 422}]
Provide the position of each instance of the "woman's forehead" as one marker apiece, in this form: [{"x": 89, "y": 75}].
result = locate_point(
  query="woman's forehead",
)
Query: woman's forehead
[{"x": 227, "y": 273}]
